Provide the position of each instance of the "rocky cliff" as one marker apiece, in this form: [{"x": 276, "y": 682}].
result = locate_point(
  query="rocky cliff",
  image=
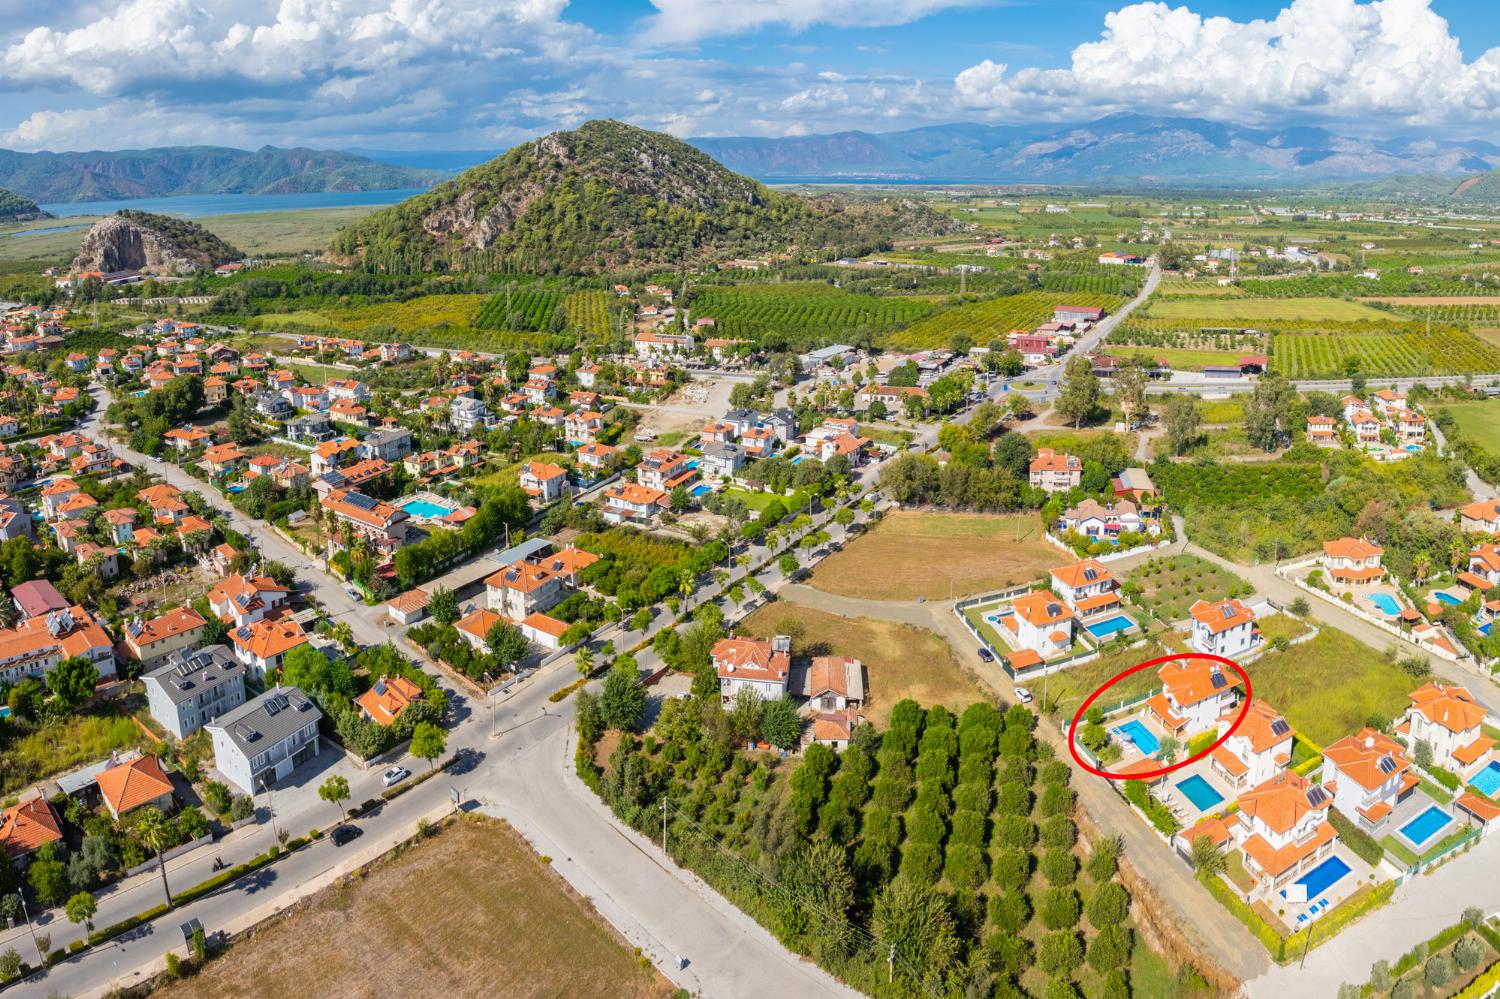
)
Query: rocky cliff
[{"x": 140, "y": 241}]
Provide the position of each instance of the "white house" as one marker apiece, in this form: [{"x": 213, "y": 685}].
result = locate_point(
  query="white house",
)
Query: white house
[
  {"x": 1369, "y": 775},
  {"x": 1286, "y": 830},
  {"x": 632, "y": 503},
  {"x": 543, "y": 481},
  {"x": 832, "y": 684},
  {"x": 1223, "y": 628},
  {"x": 1195, "y": 694},
  {"x": 1481, "y": 517},
  {"x": 1259, "y": 749},
  {"x": 1103, "y": 521},
  {"x": 1446, "y": 717},
  {"x": 265, "y": 739},
  {"x": 1352, "y": 561},
  {"x": 752, "y": 664},
  {"x": 1088, "y": 587},
  {"x": 523, "y": 587},
  {"x": 1055, "y": 472},
  {"x": 246, "y": 599},
  {"x": 1039, "y": 623},
  {"x": 263, "y": 646}
]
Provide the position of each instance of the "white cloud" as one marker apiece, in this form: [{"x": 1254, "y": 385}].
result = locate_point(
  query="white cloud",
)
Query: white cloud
[
  {"x": 1390, "y": 62},
  {"x": 694, "y": 20}
]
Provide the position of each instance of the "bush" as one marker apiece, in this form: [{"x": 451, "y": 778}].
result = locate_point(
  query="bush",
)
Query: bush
[
  {"x": 1010, "y": 912},
  {"x": 1356, "y": 839},
  {"x": 1059, "y": 867},
  {"x": 1011, "y": 868},
  {"x": 964, "y": 865},
  {"x": 1009, "y": 954},
  {"x": 922, "y": 862},
  {"x": 1109, "y": 905},
  {"x": 1109, "y": 949},
  {"x": 1015, "y": 831},
  {"x": 1059, "y": 952},
  {"x": 1059, "y": 908},
  {"x": 1059, "y": 832},
  {"x": 1439, "y": 971},
  {"x": 1467, "y": 952},
  {"x": 1014, "y": 798}
]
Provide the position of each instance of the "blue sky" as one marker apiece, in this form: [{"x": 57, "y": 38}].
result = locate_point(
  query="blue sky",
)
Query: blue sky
[{"x": 480, "y": 74}]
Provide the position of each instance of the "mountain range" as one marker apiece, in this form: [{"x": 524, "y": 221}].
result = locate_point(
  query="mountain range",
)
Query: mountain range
[
  {"x": 174, "y": 170},
  {"x": 1179, "y": 151},
  {"x": 609, "y": 195}
]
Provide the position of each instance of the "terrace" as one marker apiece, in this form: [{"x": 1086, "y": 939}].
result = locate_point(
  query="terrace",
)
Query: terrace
[{"x": 1316, "y": 891}]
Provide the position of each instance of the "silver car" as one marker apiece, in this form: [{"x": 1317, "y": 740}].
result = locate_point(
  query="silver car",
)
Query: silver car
[{"x": 394, "y": 775}]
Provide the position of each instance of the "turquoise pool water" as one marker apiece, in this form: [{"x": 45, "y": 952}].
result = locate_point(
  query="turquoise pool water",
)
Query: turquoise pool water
[
  {"x": 1487, "y": 781},
  {"x": 1484, "y": 629},
  {"x": 422, "y": 508},
  {"x": 1140, "y": 735},
  {"x": 701, "y": 490},
  {"x": 1321, "y": 878},
  {"x": 1447, "y": 598},
  {"x": 1200, "y": 792},
  {"x": 1385, "y": 603},
  {"x": 1104, "y": 629},
  {"x": 1425, "y": 826}
]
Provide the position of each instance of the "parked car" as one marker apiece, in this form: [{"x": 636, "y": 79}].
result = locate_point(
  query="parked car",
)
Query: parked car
[
  {"x": 985, "y": 655},
  {"x": 1023, "y": 695},
  {"x": 346, "y": 834},
  {"x": 394, "y": 775}
]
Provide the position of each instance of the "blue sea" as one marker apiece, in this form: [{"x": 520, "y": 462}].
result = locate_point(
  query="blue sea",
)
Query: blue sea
[{"x": 232, "y": 204}]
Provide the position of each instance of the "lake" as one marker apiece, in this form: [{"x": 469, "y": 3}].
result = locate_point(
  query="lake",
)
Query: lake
[{"x": 232, "y": 204}]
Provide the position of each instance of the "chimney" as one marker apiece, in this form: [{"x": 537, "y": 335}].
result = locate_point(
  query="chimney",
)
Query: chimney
[{"x": 1369, "y": 742}]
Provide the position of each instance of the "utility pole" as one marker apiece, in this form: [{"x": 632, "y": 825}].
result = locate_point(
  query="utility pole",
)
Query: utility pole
[
  {"x": 664, "y": 825},
  {"x": 270, "y": 806},
  {"x": 40, "y": 957}
]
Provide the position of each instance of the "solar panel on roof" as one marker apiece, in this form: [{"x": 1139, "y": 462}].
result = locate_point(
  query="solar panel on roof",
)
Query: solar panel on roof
[
  {"x": 1090, "y": 574},
  {"x": 1316, "y": 796},
  {"x": 1280, "y": 727},
  {"x": 1227, "y": 611},
  {"x": 1218, "y": 679},
  {"x": 1386, "y": 765},
  {"x": 276, "y": 703}
]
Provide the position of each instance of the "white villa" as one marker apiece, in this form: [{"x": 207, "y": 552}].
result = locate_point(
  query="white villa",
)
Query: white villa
[
  {"x": 1257, "y": 751},
  {"x": 1195, "y": 694},
  {"x": 1369, "y": 775},
  {"x": 753, "y": 664},
  {"x": 1353, "y": 561},
  {"x": 1223, "y": 628},
  {"x": 1447, "y": 717}
]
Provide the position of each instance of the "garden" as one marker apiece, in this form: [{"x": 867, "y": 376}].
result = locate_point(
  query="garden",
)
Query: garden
[{"x": 1166, "y": 587}]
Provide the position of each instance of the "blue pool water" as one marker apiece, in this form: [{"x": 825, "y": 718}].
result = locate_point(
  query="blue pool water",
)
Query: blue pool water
[
  {"x": 1425, "y": 826},
  {"x": 798, "y": 460},
  {"x": 1104, "y": 629},
  {"x": 422, "y": 508},
  {"x": 1447, "y": 598},
  {"x": 237, "y": 488},
  {"x": 1385, "y": 603},
  {"x": 1487, "y": 781},
  {"x": 1140, "y": 735},
  {"x": 701, "y": 490},
  {"x": 1321, "y": 878},
  {"x": 1200, "y": 792},
  {"x": 1484, "y": 629},
  {"x": 692, "y": 463}
]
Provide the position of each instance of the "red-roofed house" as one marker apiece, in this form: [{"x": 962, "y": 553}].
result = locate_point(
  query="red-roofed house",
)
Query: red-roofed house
[
  {"x": 1259, "y": 749},
  {"x": 1353, "y": 561},
  {"x": 24, "y": 828},
  {"x": 1223, "y": 628},
  {"x": 1447, "y": 718},
  {"x": 753, "y": 664},
  {"x": 1055, "y": 472},
  {"x": 1039, "y": 622},
  {"x": 1195, "y": 694},
  {"x": 1286, "y": 830},
  {"x": 128, "y": 786},
  {"x": 1368, "y": 775}
]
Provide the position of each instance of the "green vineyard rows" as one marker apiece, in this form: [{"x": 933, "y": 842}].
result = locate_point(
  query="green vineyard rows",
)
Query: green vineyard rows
[
  {"x": 804, "y": 312},
  {"x": 996, "y": 317},
  {"x": 1443, "y": 352},
  {"x": 530, "y": 309},
  {"x": 588, "y": 312}
]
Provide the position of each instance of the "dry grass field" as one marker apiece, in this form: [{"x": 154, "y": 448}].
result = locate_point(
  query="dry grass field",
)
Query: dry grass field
[
  {"x": 900, "y": 660},
  {"x": 911, "y": 554},
  {"x": 514, "y": 930}
]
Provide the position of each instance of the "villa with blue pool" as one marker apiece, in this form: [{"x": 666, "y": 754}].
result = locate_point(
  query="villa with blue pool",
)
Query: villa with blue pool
[{"x": 1449, "y": 719}]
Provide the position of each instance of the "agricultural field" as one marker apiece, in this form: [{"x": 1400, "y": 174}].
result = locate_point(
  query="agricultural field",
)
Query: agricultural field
[
  {"x": 910, "y": 554},
  {"x": 1252, "y": 311},
  {"x": 988, "y": 320},
  {"x": 588, "y": 312},
  {"x": 1170, "y": 585},
  {"x": 523, "y": 933},
  {"x": 1323, "y": 355},
  {"x": 806, "y": 312},
  {"x": 900, "y": 660}
]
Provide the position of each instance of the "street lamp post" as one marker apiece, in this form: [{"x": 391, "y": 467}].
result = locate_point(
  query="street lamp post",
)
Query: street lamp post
[
  {"x": 41, "y": 957},
  {"x": 265, "y": 784}
]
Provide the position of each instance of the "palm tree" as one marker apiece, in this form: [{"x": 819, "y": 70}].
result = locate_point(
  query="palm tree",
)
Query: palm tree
[
  {"x": 1420, "y": 564},
  {"x": 155, "y": 834},
  {"x": 685, "y": 587}
]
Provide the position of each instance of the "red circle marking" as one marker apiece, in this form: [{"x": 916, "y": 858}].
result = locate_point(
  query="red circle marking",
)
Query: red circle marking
[{"x": 1144, "y": 775}]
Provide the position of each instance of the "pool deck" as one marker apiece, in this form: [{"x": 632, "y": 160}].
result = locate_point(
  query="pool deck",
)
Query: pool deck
[
  {"x": 1187, "y": 813},
  {"x": 1360, "y": 873}
]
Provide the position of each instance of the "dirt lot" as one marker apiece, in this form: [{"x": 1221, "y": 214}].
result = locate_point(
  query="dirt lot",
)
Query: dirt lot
[
  {"x": 689, "y": 408},
  {"x": 517, "y": 930},
  {"x": 900, "y": 661},
  {"x": 911, "y": 554}
]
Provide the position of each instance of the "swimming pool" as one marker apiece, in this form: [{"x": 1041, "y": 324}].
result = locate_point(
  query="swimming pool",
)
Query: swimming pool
[
  {"x": 424, "y": 509},
  {"x": 237, "y": 488},
  {"x": 1104, "y": 629},
  {"x": 1321, "y": 878},
  {"x": 1200, "y": 792},
  {"x": 1487, "y": 781},
  {"x": 1385, "y": 603},
  {"x": 1425, "y": 826},
  {"x": 701, "y": 490},
  {"x": 1140, "y": 735},
  {"x": 1447, "y": 598}
]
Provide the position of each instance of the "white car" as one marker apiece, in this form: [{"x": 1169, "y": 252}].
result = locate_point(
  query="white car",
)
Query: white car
[
  {"x": 394, "y": 775},
  {"x": 1023, "y": 695}
]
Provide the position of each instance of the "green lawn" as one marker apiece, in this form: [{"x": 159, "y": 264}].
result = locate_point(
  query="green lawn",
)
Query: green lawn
[
  {"x": 1478, "y": 421},
  {"x": 1170, "y": 585},
  {"x": 755, "y": 501},
  {"x": 1179, "y": 357},
  {"x": 975, "y": 616},
  {"x": 506, "y": 475},
  {"x": 1331, "y": 686},
  {"x": 1209, "y": 312},
  {"x": 1069, "y": 687},
  {"x": 1281, "y": 626}
]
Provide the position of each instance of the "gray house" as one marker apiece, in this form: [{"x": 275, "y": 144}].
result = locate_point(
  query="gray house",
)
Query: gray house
[
  {"x": 264, "y": 740},
  {"x": 391, "y": 444},
  {"x": 194, "y": 687}
]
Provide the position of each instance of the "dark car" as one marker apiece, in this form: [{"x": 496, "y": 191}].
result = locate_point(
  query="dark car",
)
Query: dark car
[
  {"x": 985, "y": 655},
  {"x": 346, "y": 834}
]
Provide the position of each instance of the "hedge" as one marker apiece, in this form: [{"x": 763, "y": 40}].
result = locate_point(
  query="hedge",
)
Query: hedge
[
  {"x": 1345, "y": 914},
  {"x": 125, "y": 925},
  {"x": 1433, "y": 945},
  {"x": 1362, "y": 843},
  {"x": 395, "y": 792},
  {"x": 1444, "y": 777},
  {"x": 218, "y": 880},
  {"x": 1482, "y": 985},
  {"x": 562, "y": 692},
  {"x": 1200, "y": 742},
  {"x": 1264, "y": 932}
]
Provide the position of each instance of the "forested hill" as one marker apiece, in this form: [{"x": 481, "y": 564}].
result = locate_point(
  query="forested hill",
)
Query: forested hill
[
  {"x": 177, "y": 170},
  {"x": 14, "y": 208},
  {"x": 606, "y": 196}
]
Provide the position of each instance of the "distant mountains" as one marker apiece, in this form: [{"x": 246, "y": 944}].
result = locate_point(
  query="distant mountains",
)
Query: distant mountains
[
  {"x": 178, "y": 170},
  {"x": 14, "y": 208},
  {"x": 609, "y": 195},
  {"x": 1117, "y": 147}
]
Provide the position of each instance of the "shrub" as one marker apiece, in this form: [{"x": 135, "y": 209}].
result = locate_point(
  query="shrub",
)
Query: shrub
[
  {"x": 1109, "y": 949},
  {"x": 1059, "y": 908},
  {"x": 1109, "y": 906},
  {"x": 1105, "y": 860},
  {"x": 968, "y": 828},
  {"x": 1439, "y": 970},
  {"x": 1015, "y": 831},
  {"x": 1057, "y": 799},
  {"x": 964, "y": 865},
  {"x": 1014, "y": 798},
  {"x": 1011, "y": 868},
  {"x": 1060, "y": 951},
  {"x": 968, "y": 797},
  {"x": 1059, "y": 832},
  {"x": 1059, "y": 867},
  {"x": 922, "y": 862},
  {"x": 1009, "y": 954},
  {"x": 1010, "y": 912},
  {"x": 1467, "y": 952}
]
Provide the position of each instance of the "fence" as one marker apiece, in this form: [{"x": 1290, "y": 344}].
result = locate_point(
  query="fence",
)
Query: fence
[
  {"x": 1112, "y": 556},
  {"x": 176, "y": 851},
  {"x": 1369, "y": 618}
]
